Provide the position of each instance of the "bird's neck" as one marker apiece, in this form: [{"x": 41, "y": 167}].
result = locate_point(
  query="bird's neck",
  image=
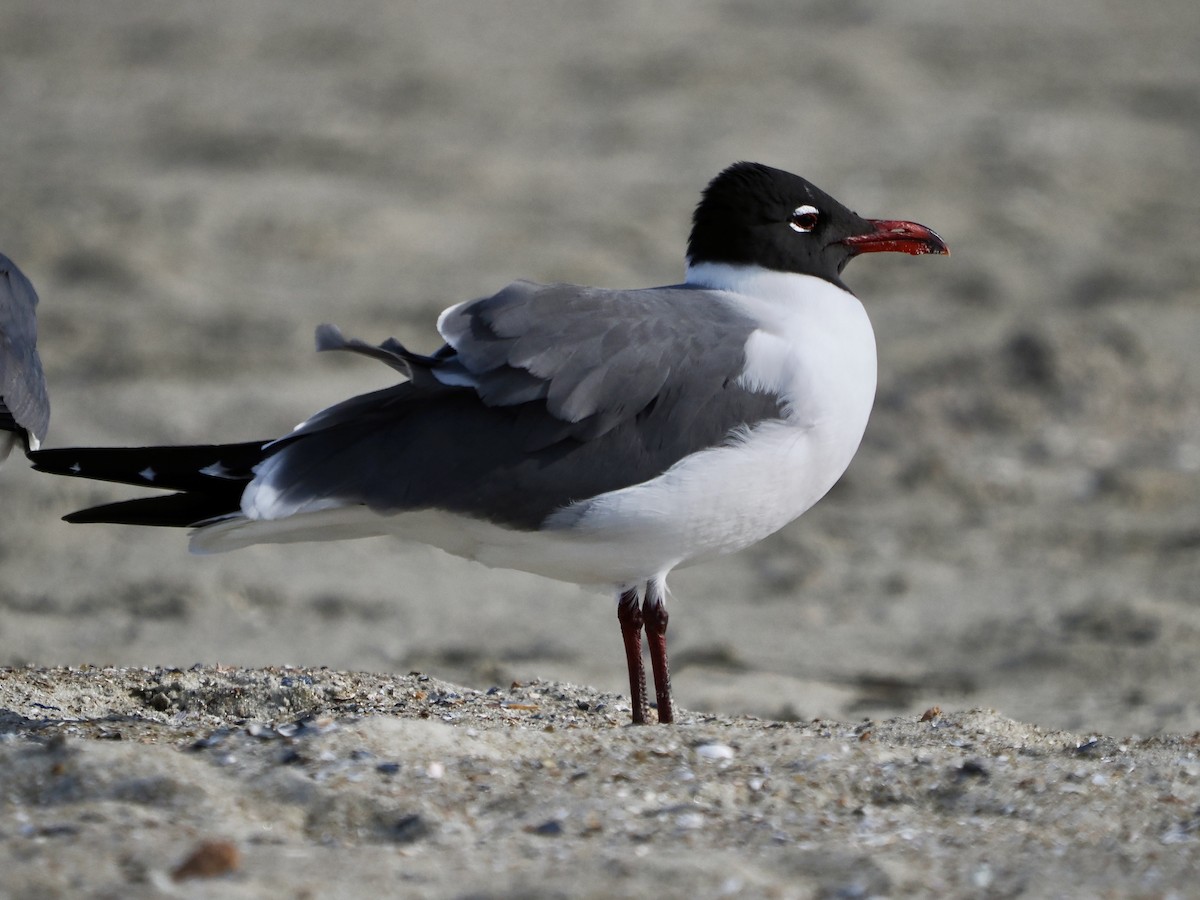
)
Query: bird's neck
[{"x": 748, "y": 279}]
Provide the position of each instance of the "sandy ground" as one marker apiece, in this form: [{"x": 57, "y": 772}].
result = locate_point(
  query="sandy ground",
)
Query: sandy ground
[
  {"x": 321, "y": 784},
  {"x": 194, "y": 187}
]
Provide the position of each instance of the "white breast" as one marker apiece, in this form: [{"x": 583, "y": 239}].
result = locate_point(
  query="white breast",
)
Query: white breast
[{"x": 816, "y": 349}]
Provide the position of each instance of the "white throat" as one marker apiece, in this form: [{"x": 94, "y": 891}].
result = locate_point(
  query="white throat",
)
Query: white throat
[
  {"x": 750, "y": 279},
  {"x": 814, "y": 346}
]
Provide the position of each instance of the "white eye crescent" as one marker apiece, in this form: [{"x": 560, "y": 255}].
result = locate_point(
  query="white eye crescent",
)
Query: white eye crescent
[{"x": 804, "y": 219}]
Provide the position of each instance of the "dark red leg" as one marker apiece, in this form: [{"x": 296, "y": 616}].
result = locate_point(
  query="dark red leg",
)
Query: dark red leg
[
  {"x": 654, "y": 611},
  {"x": 630, "y": 617}
]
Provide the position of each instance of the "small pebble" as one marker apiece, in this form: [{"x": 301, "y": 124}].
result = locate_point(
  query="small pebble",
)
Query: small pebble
[
  {"x": 982, "y": 877},
  {"x": 209, "y": 860},
  {"x": 550, "y": 828},
  {"x": 212, "y": 740},
  {"x": 409, "y": 828}
]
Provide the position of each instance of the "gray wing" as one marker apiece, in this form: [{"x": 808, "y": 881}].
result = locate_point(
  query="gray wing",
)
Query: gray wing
[
  {"x": 595, "y": 357},
  {"x": 542, "y": 397},
  {"x": 24, "y": 406}
]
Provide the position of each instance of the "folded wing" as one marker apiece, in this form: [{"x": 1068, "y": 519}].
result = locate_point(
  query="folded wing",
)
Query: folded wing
[{"x": 24, "y": 405}]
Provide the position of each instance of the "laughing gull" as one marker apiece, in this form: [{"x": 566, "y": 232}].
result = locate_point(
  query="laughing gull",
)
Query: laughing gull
[
  {"x": 24, "y": 406},
  {"x": 590, "y": 435}
]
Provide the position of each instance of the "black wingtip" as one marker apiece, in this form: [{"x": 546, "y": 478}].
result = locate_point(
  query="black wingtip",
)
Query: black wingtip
[
  {"x": 183, "y": 510},
  {"x": 180, "y": 468}
]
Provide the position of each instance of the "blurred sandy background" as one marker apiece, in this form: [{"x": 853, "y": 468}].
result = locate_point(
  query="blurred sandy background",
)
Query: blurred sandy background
[{"x": 194, "y": 187}]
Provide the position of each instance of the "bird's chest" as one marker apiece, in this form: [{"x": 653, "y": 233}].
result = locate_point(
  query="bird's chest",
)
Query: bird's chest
[
  {"x": 733, "y": 496},
  {"x": 730, "y": 496},
  {"x": 815, "y": 350}
]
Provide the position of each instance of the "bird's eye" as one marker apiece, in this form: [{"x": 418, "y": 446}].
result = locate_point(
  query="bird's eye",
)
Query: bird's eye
[{"x": 804, "y": 219}]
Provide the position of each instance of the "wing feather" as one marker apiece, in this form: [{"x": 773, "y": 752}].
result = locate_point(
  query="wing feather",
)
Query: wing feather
[{"x": 23, "y": 400}]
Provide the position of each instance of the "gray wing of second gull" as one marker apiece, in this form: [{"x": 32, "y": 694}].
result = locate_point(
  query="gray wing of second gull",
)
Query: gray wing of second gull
[
  {"x": 23, "y": 402},
  {"x": 543, "y": 396}
]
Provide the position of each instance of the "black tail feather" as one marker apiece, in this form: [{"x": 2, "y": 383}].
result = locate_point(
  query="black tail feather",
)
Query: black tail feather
[
  {"x": 211, "y": 479},
  {"x": 202, "y": 468},
  {"x": 173, "y": 511}
]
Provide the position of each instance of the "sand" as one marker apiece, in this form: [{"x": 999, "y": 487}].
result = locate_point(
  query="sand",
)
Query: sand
[
  {"x": 310, "y": 783},
  {"x": 193, "y": 188}
]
